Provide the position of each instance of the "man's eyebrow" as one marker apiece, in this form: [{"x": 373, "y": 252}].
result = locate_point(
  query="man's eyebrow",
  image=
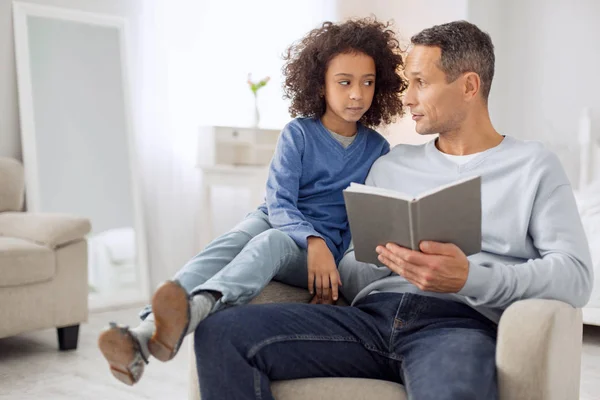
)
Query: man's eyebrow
[{"x": 412, "y": 73}]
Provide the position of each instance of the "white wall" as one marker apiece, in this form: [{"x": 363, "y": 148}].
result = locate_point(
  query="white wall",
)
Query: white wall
[
  {"x": 10, "y": 142},
  {"x": 410, "y": 17},
  {"x": 552, "y": 66},
  {"x": 491, "y": 17},
  {"x": 228, "y": 45},
  {"x": 547, "y": 66}
]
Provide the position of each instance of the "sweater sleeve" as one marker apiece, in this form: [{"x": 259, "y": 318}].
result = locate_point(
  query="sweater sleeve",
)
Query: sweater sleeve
[
  {"x": 283, "y": 186},
  {"x": 356, "y": 275},
  {"x": 563, "y": 270},
  {"x": 385, "y": 148}
]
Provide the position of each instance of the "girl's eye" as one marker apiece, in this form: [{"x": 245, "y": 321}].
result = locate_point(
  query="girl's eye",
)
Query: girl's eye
[
  {"x": 369, "y": 83},
  {"x": 344, "y": 83},
  {"x": 421, "y": 82}
]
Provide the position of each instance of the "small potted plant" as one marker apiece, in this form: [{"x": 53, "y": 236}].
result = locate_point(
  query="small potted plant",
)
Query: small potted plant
[{"x": 255, "y": 87}]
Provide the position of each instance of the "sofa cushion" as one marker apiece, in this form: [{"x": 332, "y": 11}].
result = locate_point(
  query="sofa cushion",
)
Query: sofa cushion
[
  {"x": 337, "y": 388},
  {"x": 277, "y": 292},
  {"x": 23, "y": 262}
]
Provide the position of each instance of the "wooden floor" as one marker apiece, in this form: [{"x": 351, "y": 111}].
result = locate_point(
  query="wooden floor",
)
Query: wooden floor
[{"x": 32, "y": 368}]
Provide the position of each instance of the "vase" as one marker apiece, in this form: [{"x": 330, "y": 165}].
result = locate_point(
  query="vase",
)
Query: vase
[{"x": 256, "y": 114}]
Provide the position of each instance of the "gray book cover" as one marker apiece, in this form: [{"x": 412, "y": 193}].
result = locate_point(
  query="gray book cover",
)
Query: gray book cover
[{"x": 447, "y": 214}]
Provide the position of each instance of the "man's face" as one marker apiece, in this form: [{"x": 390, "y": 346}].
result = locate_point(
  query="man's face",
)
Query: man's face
[
  {"x": 436, "y": 105},
  {"x": 349, "y": 86}
]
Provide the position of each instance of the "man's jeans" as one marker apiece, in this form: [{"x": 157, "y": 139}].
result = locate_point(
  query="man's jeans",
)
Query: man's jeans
[
  {"x": 438, "y": 349},
  {"x": 240, "y": 263}
]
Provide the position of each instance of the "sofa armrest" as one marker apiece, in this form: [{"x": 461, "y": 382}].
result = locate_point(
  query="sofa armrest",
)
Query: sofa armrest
[
  {"x": 539, "y": 351},
  {"x": 46, "y": 229}
]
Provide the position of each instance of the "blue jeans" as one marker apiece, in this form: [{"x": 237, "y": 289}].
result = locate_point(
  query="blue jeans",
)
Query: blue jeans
[
  {"x": 240, "y": 263},
  {"x": 438, "y": 349}
]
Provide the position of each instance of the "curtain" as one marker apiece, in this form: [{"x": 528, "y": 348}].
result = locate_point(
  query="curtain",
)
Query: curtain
[{"x": 190, "y": 68}]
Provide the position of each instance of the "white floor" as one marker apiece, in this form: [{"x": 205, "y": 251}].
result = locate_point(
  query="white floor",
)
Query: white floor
[{"x": 32, "y": 368}]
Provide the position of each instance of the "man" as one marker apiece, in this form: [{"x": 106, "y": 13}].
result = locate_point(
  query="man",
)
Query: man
[{"x": 425, "y": 319}]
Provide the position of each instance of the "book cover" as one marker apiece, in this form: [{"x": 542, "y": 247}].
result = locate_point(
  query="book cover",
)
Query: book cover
[{"x": 447, "y": 214}]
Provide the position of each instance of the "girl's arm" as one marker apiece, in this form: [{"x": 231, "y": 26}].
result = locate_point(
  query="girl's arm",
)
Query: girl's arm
[{"x": 283, "y": 186}]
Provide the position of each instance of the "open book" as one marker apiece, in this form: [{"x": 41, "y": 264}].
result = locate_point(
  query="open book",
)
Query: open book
[{"x": 447, "y": 214}]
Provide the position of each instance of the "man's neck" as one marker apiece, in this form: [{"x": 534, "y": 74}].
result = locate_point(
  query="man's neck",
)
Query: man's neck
[{"x": 473, "y": 136}]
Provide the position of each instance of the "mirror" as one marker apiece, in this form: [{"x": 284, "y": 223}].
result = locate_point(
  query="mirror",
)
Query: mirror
[{"x": 78, "y": 144}]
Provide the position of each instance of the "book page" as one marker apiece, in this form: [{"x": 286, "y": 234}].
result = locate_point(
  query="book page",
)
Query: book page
[
  {"x": 376, "y": 220},
  {"x": 452, "y": 216},
  {"x": 444, "y": 187},
  {"x": 359, "y": 188}
]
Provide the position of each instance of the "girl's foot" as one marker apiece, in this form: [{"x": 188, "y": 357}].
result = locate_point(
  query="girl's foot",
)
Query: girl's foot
[
  {"x": 175, "y": 315},
  {"x": 123, "y": 352}
]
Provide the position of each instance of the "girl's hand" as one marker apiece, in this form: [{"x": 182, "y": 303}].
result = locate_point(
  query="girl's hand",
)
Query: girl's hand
[
  {"x": 322, "y": 271},
  {"x": 328, "y": 301}
]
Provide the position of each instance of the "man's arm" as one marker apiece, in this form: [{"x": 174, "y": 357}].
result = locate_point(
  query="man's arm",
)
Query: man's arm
[{"x": 562, "y": 272}]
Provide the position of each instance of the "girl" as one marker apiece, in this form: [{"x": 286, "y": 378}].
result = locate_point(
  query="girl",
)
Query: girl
[{"x": 341, "y": 80}]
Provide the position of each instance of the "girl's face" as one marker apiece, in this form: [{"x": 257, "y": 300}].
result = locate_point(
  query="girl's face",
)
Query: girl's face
[{"x": 349, "y": 90}]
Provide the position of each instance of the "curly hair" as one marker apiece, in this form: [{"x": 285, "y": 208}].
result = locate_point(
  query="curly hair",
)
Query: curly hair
[{"x": 306, "y": 62}]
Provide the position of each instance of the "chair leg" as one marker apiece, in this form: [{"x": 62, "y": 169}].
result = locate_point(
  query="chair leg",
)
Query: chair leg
[{"x": 67, "y": 337}]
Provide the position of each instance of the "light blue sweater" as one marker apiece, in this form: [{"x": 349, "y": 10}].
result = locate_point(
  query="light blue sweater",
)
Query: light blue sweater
[
  {"x": 533, "y": 244},
  {"x": 309, "y": 171}
]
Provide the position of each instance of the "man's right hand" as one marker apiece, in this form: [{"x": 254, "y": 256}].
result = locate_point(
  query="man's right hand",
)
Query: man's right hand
[{"x": 322, "y": 271}]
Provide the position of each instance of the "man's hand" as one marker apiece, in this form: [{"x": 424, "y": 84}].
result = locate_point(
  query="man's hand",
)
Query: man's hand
[
  {"x": 441, "y": 267},
  {"x": 322, "y": 271}
]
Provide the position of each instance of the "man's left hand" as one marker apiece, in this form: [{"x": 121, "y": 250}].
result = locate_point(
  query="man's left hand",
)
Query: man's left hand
[{"x": 441, "y": 267}]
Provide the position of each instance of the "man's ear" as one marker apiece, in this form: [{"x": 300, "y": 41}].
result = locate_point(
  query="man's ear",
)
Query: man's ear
[{"x": 472, "y": 85}]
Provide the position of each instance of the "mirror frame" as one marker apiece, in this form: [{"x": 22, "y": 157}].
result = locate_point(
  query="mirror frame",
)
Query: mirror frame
[{"x": 21, "y": 12}]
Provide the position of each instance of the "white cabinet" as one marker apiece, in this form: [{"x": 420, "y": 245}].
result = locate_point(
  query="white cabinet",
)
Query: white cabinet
[
  {"x": 226, "y": 145},
  {"x": 233, "y": 157}
]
